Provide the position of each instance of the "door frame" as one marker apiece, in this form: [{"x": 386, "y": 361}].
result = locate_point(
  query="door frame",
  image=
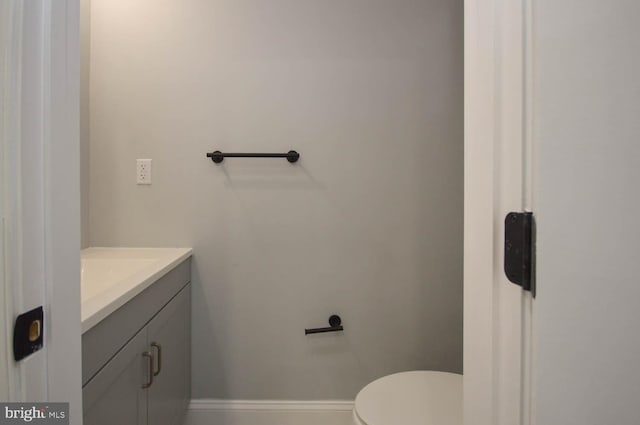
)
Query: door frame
[
  {"x": 498, "y": 163},
  {"x": 62, "y": 206},
  {"x": 495, "y": 314},
  {"x": 5, "y": 37},
  {"x": 43, "y": 110}
]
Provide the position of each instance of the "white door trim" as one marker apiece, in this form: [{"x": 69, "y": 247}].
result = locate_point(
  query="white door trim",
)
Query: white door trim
[
  {"x": 6, "y": 44},
  {"x": 40, "y": 145},
  {"x": 62, "y": 205},
  {"x": 12, "y": 41},
  {"x": 496, "y": 326}
]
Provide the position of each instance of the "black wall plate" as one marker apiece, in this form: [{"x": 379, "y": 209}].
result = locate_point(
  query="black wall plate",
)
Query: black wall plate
[{"x": 28, "y": 333}]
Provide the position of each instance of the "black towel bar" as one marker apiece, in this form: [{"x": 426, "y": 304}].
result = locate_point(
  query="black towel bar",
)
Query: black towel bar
[{"x": 218, "y": 157}]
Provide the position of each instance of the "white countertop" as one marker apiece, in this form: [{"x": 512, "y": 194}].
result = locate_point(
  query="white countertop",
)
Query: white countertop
[{"x": 113, "y": 276}]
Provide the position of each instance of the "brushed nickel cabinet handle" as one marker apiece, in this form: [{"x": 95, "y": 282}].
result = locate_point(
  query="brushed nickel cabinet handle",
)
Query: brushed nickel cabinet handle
[
  {"x": 159, "y": 348},
  {"x": 150, "y": 369}
]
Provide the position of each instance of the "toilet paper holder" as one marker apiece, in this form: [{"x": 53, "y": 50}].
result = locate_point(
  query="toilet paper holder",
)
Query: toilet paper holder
[{"x": 335, "y": 325}]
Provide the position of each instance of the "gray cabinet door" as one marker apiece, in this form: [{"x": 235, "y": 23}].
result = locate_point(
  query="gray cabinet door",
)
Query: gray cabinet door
[
  {"x": 115, "y": 394},
  {"x": 169, "y": 341}
]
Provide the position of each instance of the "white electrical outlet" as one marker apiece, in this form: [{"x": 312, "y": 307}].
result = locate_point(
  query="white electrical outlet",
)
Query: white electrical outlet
[{"x": 143, "y": 171}]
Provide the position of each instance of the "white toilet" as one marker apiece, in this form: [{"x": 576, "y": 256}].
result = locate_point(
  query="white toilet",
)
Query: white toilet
[{"x": 411, "y": 398}]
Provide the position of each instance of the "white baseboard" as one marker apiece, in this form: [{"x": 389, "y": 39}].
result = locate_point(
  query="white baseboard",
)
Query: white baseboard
[{"x": 268, "y": 412}]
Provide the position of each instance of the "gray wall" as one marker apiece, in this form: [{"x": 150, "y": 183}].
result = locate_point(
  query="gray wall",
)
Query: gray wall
[
  {"x": 368, "y": 224},
  {"x": 587, "y": 129}
]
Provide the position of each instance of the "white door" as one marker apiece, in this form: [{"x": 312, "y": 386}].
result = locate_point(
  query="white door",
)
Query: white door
[
  {"x": 565, "y": 74},
  {"x": 24, "y": 192},
  {"x": 587, "y": 136},
  {"x": 4, "y": 322},
  {"x": 40, "y": 196}
]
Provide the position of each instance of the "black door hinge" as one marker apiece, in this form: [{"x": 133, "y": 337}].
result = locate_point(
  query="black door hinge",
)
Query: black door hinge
[{"x": 519, "y": 251}]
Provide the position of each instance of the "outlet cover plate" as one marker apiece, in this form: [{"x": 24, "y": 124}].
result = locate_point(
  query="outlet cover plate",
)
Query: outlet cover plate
[{"x": 143, "y": 171}]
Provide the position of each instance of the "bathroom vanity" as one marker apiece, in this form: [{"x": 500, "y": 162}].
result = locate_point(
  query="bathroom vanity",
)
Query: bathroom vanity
[{"x": 136, "y": 343}]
